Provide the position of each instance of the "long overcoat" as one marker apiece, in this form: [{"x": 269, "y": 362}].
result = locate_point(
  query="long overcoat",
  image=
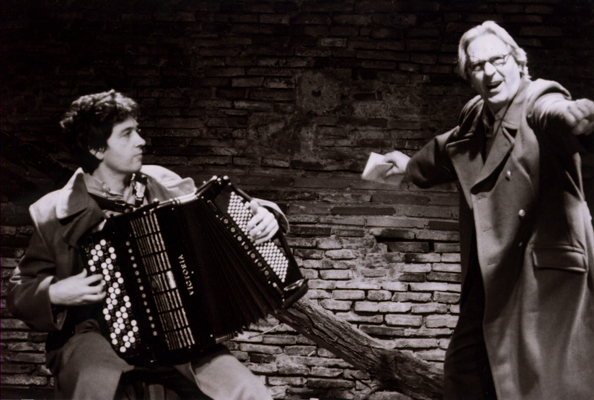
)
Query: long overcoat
[{"x": 534, "y": 239}]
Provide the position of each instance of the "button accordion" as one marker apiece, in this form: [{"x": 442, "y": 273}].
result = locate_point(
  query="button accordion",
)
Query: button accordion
[{"x": 183, "y": 274}]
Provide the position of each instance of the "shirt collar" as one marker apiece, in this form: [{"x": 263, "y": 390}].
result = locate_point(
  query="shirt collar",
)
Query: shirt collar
[{"x": 99, "y": 188}]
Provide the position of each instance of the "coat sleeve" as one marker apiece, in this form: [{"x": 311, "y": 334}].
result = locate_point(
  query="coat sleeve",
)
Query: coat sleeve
[
  {"x": 28, "y": 296},
  {"x": 431, "y": 165},
  {"x": 542, "y": 101}
]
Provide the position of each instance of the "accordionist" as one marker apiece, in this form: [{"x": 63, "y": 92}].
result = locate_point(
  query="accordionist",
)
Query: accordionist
[{"x": 51, "y": 291}]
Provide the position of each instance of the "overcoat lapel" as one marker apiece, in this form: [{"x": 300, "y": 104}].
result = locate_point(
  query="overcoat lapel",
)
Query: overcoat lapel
[
  {"x": 467, "y": 160},
  {"x": 502, "y": 146}
]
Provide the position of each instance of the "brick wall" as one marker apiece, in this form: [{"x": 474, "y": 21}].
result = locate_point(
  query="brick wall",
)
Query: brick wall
[{"x": 288, "y": 98}]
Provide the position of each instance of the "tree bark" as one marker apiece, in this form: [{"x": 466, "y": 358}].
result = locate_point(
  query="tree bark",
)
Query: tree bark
[{"x": 394, "y": 369}]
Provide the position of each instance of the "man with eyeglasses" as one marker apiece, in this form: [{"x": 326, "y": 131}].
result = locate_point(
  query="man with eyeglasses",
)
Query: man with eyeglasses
[{"x": 526, "y": 324}]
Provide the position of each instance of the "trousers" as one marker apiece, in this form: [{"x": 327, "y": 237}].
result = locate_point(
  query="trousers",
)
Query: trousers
[{"x": 87, "y": 368}]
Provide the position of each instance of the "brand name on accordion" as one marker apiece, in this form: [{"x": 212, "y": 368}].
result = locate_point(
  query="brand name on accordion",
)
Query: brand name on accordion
[{"x": 186, "y": 274}]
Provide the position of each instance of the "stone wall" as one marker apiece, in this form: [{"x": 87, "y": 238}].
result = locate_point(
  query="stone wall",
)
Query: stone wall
[{"x": 288, "y": 98}]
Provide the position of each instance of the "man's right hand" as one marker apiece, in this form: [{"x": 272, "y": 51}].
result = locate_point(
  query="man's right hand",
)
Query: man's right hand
[
  {"x": 77, "y": 290},
  {"x": 399, "y": 160}
]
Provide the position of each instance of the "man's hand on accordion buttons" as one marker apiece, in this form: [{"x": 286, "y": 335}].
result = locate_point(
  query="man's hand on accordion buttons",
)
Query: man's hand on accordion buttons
[
  {"x": 77, "y": 290},
  {"x": 263, "y": 225}
]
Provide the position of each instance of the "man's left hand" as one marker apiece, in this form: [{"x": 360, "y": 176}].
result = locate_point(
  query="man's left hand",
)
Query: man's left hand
[
  {"x": 263, "y": 224},
  {"x": 579, "y": 116}
]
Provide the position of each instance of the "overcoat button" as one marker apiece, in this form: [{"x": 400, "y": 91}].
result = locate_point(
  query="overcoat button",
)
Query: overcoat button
[
  {"x": 508, "y": 175},
  {"x": 521, "y": 213}
]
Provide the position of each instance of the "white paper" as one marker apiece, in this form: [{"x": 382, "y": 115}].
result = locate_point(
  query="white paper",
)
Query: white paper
[{"x": 376, "y": 170}]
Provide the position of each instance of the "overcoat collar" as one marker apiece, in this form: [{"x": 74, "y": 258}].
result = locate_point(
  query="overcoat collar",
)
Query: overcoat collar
[
  {"x": 76, "y": 209},
  {"x": 466, "y": 152}
]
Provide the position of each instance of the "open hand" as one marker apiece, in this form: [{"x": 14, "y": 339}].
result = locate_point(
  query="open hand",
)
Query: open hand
[
  {"x": 263, "y": 224},
  {"x": 77, "y": 290}
]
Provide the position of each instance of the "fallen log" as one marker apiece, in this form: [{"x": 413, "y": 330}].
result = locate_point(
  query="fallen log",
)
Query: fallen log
[{"x": 393, "y": 369}]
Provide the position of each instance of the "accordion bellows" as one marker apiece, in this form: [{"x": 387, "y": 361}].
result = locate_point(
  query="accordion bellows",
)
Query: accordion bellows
[{"x": 183, "y": 275}]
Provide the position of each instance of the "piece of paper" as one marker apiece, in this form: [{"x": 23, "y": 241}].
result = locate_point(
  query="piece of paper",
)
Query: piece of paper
[{"x": 376, "y": 170}]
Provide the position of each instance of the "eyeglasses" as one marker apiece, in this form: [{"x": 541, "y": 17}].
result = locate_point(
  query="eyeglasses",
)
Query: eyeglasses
[{"x": 496, "y": 61}]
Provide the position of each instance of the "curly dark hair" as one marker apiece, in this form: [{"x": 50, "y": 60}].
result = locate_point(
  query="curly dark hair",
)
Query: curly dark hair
[{"x": 88, "y": 124}]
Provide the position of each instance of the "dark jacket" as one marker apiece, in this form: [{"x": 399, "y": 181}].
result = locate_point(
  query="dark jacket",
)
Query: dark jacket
[{"x": 534, "y": 239}]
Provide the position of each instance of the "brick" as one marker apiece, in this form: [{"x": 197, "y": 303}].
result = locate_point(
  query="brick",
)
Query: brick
[
  {"x": 412, "y": 277},
  {"x": 434, "y": 286},
  {"x": 24, "y": 380},
  {"x": 394, "y": 307},
  {"x": 320, "y": 383},
  {"x": 409, "y": 296},
  {"x": 318, "y": 294},
  {"x": 255, "y": 348},
  {"x": 343, "y": 254},
  {"x": 335, "y": 274},
  {"x": 357, "y": 284},
  {"x": 450, "y": 258},
  {"x": 394, "y": 286},
  {"x": 8, "y": 323},
  {"x": 409, "y": 247},
  {"x": 434, "y": 308},
  {"x": 366, "y": 306},
  {"x": 418, "y": 268},
  {"x": 336, "y": 305},
  {"x": 431, "y": 355},
  {"x": 287, "y": 380},
  {"x": 348, "y": 294},
  {"x": 326, "y": 372},
  {"x": 329, "y": 244},
  {"x": 378, "y": 295},
  {"x": 373, "y": 273},
  {"x": 404, "y": 320},
  {"x": 448, "y": 298},
  {"x": 422, "y": 257},
  {"x": 299, "y": 350},
  {"x": 443, "y": 277},
  {"x": 439, "y": 321},
  {"x": 442, "y": 267}
]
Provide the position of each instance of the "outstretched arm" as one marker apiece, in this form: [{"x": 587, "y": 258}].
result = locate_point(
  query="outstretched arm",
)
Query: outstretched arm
[{"x": 555, "y": 109}]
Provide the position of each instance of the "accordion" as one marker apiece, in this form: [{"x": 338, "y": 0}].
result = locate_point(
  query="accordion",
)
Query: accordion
[{"x": 183, "y": 275}]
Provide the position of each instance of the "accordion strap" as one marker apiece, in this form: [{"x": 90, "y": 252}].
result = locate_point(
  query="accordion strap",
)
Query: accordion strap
[{"x": 119, "y": 206}]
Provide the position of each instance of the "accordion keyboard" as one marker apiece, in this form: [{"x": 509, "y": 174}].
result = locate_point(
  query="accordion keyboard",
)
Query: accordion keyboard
[
  {"x": 117, "y": 311},
  {"x": 239, "y": 210}
]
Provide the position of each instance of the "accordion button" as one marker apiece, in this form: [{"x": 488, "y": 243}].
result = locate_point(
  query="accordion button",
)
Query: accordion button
[{"x": 102, "y": 242}]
